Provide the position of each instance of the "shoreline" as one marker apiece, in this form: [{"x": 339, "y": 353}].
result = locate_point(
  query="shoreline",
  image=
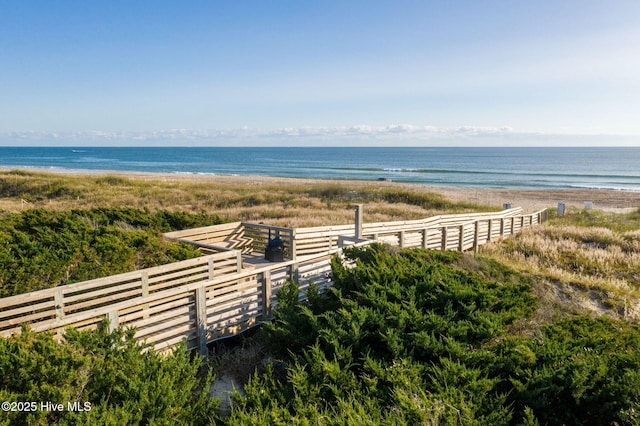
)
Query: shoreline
[{"x": 609, "y": 200}]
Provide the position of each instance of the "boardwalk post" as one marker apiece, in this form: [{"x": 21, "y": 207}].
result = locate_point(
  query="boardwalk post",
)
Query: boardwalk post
[
  {"x": 461, "y": 238},
  {"x": 211, "y": 266},
  {"x": 239, "y": 260},
  {"x": 401, "y": 238},
  {"x": 144, "y": 284},
  {"x": 266, "y": 295},
  {"x": 490, "y": 230},
  {"x": 114, "y": 321},
  {"x": 502, "y": 227},
  {"x": 293, "y": 244},
  {"x": 358, "y": 221},
  {"x": 476, "y": 236},
  {"x": 294, "y": 272},
  {"x": 443, "y": 244},
  {"x": 201, "y": 319},
  {"x": 425, "y": 238},
  {"x": 58, "y": 299}
]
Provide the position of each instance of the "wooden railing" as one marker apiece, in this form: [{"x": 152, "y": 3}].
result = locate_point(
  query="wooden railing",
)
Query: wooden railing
[
  {"x": 210, "y": 297},
  {"x": 437, "y": 232},
  {"x": 215, "y": 238},
  {"x": 460, "y": 235},
  {"x": 203, "y": 308},
  {"x": 75, "y": 304}
]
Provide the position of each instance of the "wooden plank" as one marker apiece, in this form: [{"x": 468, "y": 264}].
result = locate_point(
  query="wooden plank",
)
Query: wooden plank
[
  {"x": 201, "y": 320},
  {"x": 223, "y": 297},
  {"x": 158, "y": 313},
  {"x": 101, "y": 301},
  {"x": 168, "y": 327},
  {"x": 203, "y": 230},
  {"x": 179, "y": 283},
  {"x": 234, "y": 308},
  {"x": 161, "y": 346},
  {"x": 48, "y": 306},
  {"x": 176, "y": 274},
  {"x": 144, "y": 283},
  {"x": 266, "y": 295},
  {"x": 174, "y": 331},
  {"x": 243, "y": 286},
  {"x": 235, "y": 315},
  {"x": 211, "y": 267},
  {"x": 29, "y": 319},
  {"x": 21, "y": 299},
  {"x": 332, "y": 229},
  {"x": 127, "y": 288}
]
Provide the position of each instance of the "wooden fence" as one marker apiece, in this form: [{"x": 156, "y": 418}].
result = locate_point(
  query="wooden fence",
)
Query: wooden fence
[
  {"x": 75, "y": 304},
  {"x": 210, "y": 297},
  {"x": 211, "y": 239},
  {"x": 437, "y": 232},
  {"x": 207, "y": 304}
]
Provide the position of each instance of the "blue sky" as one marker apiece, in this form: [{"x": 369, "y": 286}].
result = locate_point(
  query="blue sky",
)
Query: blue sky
[{"x": 320, "y": 72}]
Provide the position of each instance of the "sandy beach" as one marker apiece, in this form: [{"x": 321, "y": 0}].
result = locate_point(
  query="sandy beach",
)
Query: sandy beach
[{"x": 529, "y": 199}]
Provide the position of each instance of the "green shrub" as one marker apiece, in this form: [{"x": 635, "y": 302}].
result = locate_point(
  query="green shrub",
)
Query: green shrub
[
  {"x": 401, "y": 332},
  {"x": 43, "y": 248},
  {"x": 423, "y": 337},
  {"x": 109, "y": 372},
  {"x": 587, "y": 371}
]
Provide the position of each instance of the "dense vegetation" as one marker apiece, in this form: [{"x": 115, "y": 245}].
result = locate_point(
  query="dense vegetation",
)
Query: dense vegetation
[
  {"x": 417, "y": 337},
  {"x": 106, "y": 375},
  {"x": 407, "y": 337},
  {"x": 44, "y": 248}
]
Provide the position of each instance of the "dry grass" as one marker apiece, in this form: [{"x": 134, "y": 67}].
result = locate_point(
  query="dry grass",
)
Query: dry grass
[
  {"x": 598, "y": 266},
  {"x": 293, "y": 203}
]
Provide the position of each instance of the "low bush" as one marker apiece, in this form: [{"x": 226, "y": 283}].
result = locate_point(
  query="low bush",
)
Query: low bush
[
  {"x": 43, "y": 248},
  {"x": 101, "y": 378},
  {"x": 417, "y": 337}
]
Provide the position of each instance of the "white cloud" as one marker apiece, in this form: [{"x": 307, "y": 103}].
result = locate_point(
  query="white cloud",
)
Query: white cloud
[{"x": 390, "y": 135}]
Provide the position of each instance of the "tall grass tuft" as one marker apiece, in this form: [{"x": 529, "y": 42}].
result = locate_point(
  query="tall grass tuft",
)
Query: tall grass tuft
[{"x": 574, "y": 252}]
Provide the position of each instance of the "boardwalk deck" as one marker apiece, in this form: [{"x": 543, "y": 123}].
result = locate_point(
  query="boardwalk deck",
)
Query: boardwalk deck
[{"x": 233, "y": 287}]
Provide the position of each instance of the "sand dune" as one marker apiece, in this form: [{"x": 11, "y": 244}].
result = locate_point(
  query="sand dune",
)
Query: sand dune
[{"x": 529, "y": 199}]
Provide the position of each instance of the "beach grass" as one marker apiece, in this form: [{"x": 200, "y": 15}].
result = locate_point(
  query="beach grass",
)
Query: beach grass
[
  {"x": 295, "y": 203},
  {"x": 591, "y": 258}
]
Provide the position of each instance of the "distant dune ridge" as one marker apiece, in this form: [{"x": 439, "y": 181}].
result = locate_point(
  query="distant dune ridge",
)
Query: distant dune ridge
[{"x": 528, "y": 199}]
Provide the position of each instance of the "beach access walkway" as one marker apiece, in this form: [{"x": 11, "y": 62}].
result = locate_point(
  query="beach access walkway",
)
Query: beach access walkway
[{"x": 232, "y": 287}]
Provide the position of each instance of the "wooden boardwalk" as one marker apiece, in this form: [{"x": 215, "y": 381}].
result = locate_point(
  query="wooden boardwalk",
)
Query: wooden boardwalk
[{"x": 231, "y": 287}]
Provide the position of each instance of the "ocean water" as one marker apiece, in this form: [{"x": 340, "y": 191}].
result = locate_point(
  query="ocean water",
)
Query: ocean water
[{"x": 608, "y": 168}]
